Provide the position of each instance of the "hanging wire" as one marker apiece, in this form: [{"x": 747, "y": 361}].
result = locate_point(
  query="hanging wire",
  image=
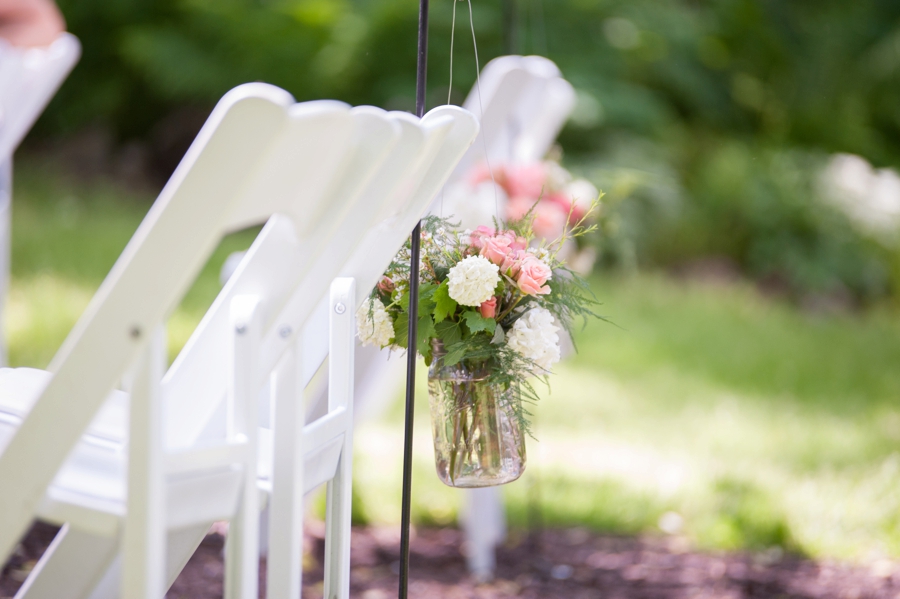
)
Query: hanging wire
[
  {"x": 452, "y": 36},
  {"x": 450, "y": 87},
  {"x": 487, "y": 160}
]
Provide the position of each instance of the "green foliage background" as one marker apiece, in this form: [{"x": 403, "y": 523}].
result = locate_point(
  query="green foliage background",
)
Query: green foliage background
[{"x": 711, "y": 117}]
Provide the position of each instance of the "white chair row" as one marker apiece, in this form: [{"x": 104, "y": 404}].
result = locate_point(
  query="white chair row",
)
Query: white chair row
[
  {"x": 136, "y": 476},
  {"x": 28, "y": 79}
]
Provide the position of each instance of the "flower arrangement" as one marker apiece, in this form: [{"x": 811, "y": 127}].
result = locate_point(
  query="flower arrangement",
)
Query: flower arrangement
[
  {"x": 557, "y": 200},
  {"x": 492, "y": 302},
  {"x": 546, "y": 191}
]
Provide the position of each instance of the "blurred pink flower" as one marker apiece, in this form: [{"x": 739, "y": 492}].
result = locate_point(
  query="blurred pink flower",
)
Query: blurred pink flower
[
  {"x": 518, "y": 206},
  {"x": 481, "y": 173},
  {"x": 488, "y": 308},
  {"x": 561, "y": 199},
  {"x": 549, "y": 220},
  {"x": 528, "y": 180},
  {"x": 532, "y": 276}
]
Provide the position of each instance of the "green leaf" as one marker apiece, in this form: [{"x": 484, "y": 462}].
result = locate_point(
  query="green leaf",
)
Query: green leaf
[
  {"x": 477, "y": 323},
  {"x": 426, "y": 290},
  {"x": 401, "y": 329},
  {"x": 424, "y": 334},
  {"x": 455, "y": 353},
  {"x": 499, "y": 336},
  {"x": 444, "y": 304},
  {"x": 426, "y": 301},
  {"x": 449, "y": 332}
]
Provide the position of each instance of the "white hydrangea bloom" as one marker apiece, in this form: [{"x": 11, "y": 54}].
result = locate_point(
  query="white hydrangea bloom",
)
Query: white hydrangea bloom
[
  {"x": 374, "y": 328},
  {"x": 472, "y": 281},
  {"x": 534, "y": 335}
]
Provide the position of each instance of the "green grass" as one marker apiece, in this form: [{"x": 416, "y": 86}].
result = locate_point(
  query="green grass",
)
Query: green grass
[
  {"x": 66, "y": 237},
  {"x": 759, "y": 424}
]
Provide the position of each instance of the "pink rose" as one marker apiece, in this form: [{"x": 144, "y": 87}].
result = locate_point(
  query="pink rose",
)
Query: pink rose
[
  {"x": 512, "y": 262},
  {"x": 518, "y": 243},
  {"x": 477, "y": 237},
  {"x": 488, "y": 308},
  {"x": 528, "y": 180},
  {"x": 549, "y": 220},
  {"x": 496, "y": 248},
  {"x": 385, "y": 285},
  {"x": 532, "y": 276}
]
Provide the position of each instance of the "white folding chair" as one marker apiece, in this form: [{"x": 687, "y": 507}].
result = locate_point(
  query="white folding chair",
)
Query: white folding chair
[
  {"x": 28, "y": 79},
  {"x": 525, "y": 103},
  {"x": 315, "y": 164}
]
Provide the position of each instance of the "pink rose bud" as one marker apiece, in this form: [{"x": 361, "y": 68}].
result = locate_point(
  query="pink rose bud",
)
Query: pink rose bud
[
  {"x": 385, "y": 285},
  {"x": 512, "y": 263},
  {"x": 488, "y": 308},
  {"x": 532, "y": 276},
  {"x": 518, "y": 243}
]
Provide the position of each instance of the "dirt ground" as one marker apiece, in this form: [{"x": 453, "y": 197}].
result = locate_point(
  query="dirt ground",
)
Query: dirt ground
[{"x": 563, "y": 564}]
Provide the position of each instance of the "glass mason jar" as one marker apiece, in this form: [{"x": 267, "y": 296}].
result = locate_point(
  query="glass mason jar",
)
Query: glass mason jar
[{"x": 477, "y": 439}]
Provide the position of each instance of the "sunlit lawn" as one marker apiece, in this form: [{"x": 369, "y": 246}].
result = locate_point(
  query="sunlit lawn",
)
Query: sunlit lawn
[{"x": 758, "y": 424}]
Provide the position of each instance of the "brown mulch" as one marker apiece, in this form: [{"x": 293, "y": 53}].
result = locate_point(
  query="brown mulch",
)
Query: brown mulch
[{"x": 564, "y": 564}]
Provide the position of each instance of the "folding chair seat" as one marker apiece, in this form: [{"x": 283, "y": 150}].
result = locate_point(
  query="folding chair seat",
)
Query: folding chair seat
[{"x": 328, "y": 173}]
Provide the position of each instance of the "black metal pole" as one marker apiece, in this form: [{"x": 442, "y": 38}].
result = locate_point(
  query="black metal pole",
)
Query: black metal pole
[{"x": 421, "y": 75}]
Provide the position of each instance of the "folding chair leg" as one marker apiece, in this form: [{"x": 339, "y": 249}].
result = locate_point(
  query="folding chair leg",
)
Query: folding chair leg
[
  {"x": 242, "y": 542},
  {"x": 484, "y": 524},
  {"x": 144, "y": 536},
  {"x": 337, "y": 529},
  {"x": 340, "y": 394},
  {"x": 5, "y": 244},
  {"x": 70, "y": 567},
  {"x": 284, "y": 574}
]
